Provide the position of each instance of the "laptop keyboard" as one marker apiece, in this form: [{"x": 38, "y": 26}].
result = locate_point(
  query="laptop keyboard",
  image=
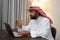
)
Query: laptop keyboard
[{"x": 16, "y": 34}]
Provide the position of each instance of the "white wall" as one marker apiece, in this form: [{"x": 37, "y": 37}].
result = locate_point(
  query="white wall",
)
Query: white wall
[{"x": 54, "y": 13}]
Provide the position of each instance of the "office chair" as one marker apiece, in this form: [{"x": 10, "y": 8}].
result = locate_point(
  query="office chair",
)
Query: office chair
[{"x": 53, "y": 30}]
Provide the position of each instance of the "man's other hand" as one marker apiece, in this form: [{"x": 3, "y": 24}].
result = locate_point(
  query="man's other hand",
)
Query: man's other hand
[
  {"x": 24, "y": 32},
  {"x": 18, "y": 23}
]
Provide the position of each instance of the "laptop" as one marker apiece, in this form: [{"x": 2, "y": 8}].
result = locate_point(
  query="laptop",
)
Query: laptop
[{"x": 10, "y": 32}]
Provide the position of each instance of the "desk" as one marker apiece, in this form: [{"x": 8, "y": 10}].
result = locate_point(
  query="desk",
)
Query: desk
[{"x": 4, "y": 36}]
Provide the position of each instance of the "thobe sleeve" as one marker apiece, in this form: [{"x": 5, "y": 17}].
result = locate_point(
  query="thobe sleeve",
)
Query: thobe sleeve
[
  {"x": 26, "y": 28},
  {"x": 43, "y": 30},
  {"x": 19, "y": 29}
]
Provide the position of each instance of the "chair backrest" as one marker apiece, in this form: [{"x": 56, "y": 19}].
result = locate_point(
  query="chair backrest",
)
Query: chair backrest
[{"x": 53, "y": 30}]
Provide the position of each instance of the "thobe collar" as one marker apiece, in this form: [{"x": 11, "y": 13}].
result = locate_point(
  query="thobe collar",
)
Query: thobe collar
[{"x": 38, "y": 19}]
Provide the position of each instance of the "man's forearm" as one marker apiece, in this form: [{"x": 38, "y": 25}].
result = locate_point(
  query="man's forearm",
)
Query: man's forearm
[{"x": 24, "y": 32}]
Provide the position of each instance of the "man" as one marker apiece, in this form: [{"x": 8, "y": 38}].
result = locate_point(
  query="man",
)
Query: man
[{"x": 39, "y": 26}]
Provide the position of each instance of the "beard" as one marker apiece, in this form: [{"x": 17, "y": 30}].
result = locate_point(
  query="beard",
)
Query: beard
[{"x": 33, "y": 17}]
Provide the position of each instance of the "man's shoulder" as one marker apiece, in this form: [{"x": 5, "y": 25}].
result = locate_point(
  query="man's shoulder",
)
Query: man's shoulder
[{"x": 44, "y": 19}]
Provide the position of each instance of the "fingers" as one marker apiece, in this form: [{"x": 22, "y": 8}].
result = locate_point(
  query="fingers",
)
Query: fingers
[{"x": 18, "y": 23}]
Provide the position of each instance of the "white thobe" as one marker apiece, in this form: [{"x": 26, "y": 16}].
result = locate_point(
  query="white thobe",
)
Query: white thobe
[{"x": 39, "y": 27}]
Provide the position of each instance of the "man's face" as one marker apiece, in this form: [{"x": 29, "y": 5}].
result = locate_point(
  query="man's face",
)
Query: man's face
[{"x": 32, "y": 14}]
